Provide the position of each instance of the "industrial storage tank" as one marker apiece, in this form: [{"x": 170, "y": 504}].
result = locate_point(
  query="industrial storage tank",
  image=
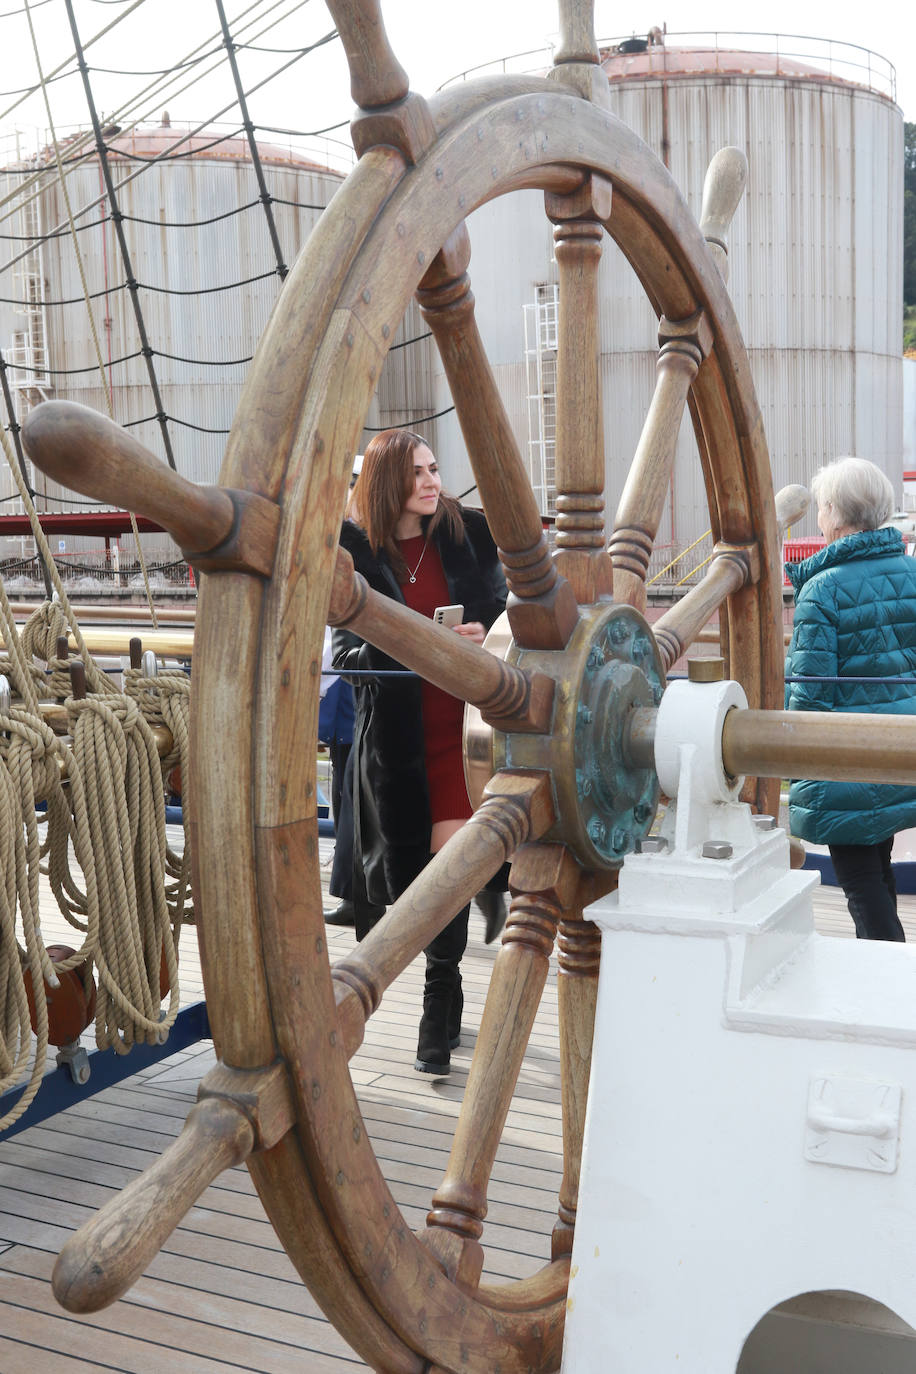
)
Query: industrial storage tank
[
  {"x": 207, "y": 271},
  {"x": 815, "y": 263}
]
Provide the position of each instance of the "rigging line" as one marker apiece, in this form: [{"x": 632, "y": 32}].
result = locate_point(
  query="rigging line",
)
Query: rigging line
[
  {"x": 30, "y": 90},
  {"x": 282, "y": 269},
  {"x": 299, "y": 204},
  {"x": 161, "y": 94},
  {"x": 61, "y": 66},
  {"x": 122, "y": 241},
  {"x": 199, "y": 223},
  {"x": 204, "y": 290},
  {"x": 127, "y": 357},
  {"x": 169, "y": 156},
  {"x": 71, "y": 300},
  {"x": 160, "y": 88},
  {"x": 72, "y": 371},
  {"x": 176, "y": 66},
  {"x": 158, "y": 71},
  {"x": 418, "y": 338},
  {"x": 159, "y": 223},
  {"x": 201, "y": 429},
  {"x": 163, "y": 85},
  {"x": 372, "y": 429},
  {"x": 147, "y": 419},
  {"x": 115, "y": 151},
  {"x": 258, "y": 47},
  {"x": 38, "y": 533},
  {"x": 291, "y": 63},
  {"x": 57, "y": 234},
  {"x": 15, "y": 14},
  {"x": 300, "y": 52},
  {"x": 206, "y": 362},
  {"x": 174, "y": 157},
  {"x": 79, "y": 258},
  {"x": 15, "y": 430},
  {"x": 310, "y": 133}
]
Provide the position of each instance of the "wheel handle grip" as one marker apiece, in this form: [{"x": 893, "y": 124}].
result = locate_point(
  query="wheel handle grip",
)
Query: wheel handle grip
[
  {"x": 726, "y": 178},
  {"x": 376, "y": 76},
  {"x": 216, "y": 528},
  {"x": 107, "y": 1255},
  {"x": 89, "y": 453},
  {"x": 791, "y": 503}
]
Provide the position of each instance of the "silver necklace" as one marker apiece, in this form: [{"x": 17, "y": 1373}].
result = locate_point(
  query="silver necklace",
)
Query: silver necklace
[{"x": 412, "y": 576}]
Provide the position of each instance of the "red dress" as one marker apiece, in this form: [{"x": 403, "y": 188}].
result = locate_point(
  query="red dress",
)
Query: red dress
[{"x": 443, "y": 714}]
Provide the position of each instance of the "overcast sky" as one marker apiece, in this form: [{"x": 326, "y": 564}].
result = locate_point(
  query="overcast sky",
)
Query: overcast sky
[{"x": 434, "y": 40}]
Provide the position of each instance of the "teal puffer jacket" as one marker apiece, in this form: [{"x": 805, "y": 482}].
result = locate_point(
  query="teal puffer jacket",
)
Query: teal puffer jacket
[{"x": 855, "y": 617}]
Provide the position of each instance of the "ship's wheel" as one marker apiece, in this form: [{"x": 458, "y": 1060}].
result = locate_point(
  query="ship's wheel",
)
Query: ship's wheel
[{"x": 565, "y": 799}]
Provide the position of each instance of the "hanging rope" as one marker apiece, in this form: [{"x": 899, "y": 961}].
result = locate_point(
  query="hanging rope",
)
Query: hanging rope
[
  {"x": 112, "y": 743},
  {"x": 110, "y": 820},
  {"x": 32, "y": 765},
  {"x": 164, "y": 700}
]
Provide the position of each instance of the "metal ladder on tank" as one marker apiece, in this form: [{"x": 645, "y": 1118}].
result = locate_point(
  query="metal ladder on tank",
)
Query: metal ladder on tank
[{"x": 541, "y": 317}]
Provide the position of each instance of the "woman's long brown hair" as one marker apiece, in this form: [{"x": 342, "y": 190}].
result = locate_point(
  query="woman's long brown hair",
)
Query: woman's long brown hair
[{"x": 385, "y": 482}]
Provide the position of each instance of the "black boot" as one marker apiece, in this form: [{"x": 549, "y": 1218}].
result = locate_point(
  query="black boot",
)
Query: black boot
[
  {"x": 341, "y": 915},
  {"x": 455, "y": 1008},
  {"x": 440, "y": 1027},
  {"x": 433, "y": 1042}
]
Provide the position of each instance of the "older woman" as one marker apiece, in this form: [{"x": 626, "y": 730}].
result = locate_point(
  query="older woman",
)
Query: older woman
[
  {"x": 417, "y": 545},
  {"x": 855, "y": 620}
]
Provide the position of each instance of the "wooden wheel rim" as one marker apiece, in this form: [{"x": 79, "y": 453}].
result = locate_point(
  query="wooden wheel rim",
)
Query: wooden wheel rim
[{"x": 256, "y": 689}]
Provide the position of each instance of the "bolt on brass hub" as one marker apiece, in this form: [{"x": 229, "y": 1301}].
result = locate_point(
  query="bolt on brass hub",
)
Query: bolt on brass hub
[{"x": 609, "y": 668}]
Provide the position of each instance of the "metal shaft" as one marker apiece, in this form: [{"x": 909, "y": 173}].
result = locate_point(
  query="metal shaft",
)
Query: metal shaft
[
  {"x": 832, "y": 746},
  {"x": 837, "y": 746}
]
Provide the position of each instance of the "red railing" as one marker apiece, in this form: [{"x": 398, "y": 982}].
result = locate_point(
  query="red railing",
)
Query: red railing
[{"x": 795, "y": 550}]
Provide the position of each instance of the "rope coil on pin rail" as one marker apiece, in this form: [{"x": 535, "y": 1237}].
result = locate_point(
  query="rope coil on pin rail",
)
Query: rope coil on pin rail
[
  {"x": 46, "y": 638},
  {"x": 164, "y": 699},
  {"x": 108, "y": 822},
  {"x": 32, "y": 766},
  {"x": 112, "y": 742}
]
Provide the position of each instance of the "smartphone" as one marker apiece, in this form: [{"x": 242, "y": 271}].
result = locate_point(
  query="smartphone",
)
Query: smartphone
[{"x": 448, "y": 615}]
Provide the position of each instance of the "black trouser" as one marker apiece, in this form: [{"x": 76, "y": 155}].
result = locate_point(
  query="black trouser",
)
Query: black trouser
[
  {"x": 338, "y": 753},
  {"x": 341, "y": 884},
  {"x": 866, "y": 875},
  {"x": 347, "y": 879},
  {"x": 443, "y": 955}
]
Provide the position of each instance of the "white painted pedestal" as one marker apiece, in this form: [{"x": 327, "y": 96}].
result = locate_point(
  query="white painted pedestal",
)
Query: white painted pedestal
[{"x": 751, "y": 1128}]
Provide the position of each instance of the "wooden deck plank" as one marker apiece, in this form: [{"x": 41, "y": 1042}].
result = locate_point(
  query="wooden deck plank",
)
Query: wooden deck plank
[
  {"x": 267, "y": 1321},
  {"x": 106, "y": 1347},
  {"x": 18, "y": 1357},
  {"x": 223, "y": 1293}
]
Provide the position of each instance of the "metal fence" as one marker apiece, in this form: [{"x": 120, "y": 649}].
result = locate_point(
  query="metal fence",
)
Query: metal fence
[{"x": 94, "y": 572}]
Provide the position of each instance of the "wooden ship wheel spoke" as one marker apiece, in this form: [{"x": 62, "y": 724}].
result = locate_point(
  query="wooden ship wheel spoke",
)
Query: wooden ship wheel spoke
[{"x": 562, "y": 777}]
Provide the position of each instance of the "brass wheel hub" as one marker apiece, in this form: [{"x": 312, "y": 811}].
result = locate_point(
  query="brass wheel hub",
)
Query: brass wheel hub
[{"x": 610, "y": 667}]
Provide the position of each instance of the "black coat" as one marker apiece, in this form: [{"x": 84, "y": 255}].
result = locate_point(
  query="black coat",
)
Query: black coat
[{"x": 391, "y": 800}]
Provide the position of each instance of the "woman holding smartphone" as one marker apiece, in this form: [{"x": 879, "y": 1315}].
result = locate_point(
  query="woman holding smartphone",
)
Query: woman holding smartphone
[{"x": 414, "y": 543}]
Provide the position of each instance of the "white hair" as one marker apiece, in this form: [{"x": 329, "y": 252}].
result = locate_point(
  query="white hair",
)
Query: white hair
[{"x": 858, "y": 492}]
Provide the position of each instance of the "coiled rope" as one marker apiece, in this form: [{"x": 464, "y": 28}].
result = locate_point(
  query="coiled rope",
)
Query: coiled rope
[
  {"x": 105, "y": 811},
  {"x": 165, "y": 700}
]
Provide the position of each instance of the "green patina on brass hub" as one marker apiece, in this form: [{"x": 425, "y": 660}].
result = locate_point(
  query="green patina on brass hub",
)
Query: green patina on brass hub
[
  {"x": 617, "y": 803},
  {"x": 609, "y": 667}
]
